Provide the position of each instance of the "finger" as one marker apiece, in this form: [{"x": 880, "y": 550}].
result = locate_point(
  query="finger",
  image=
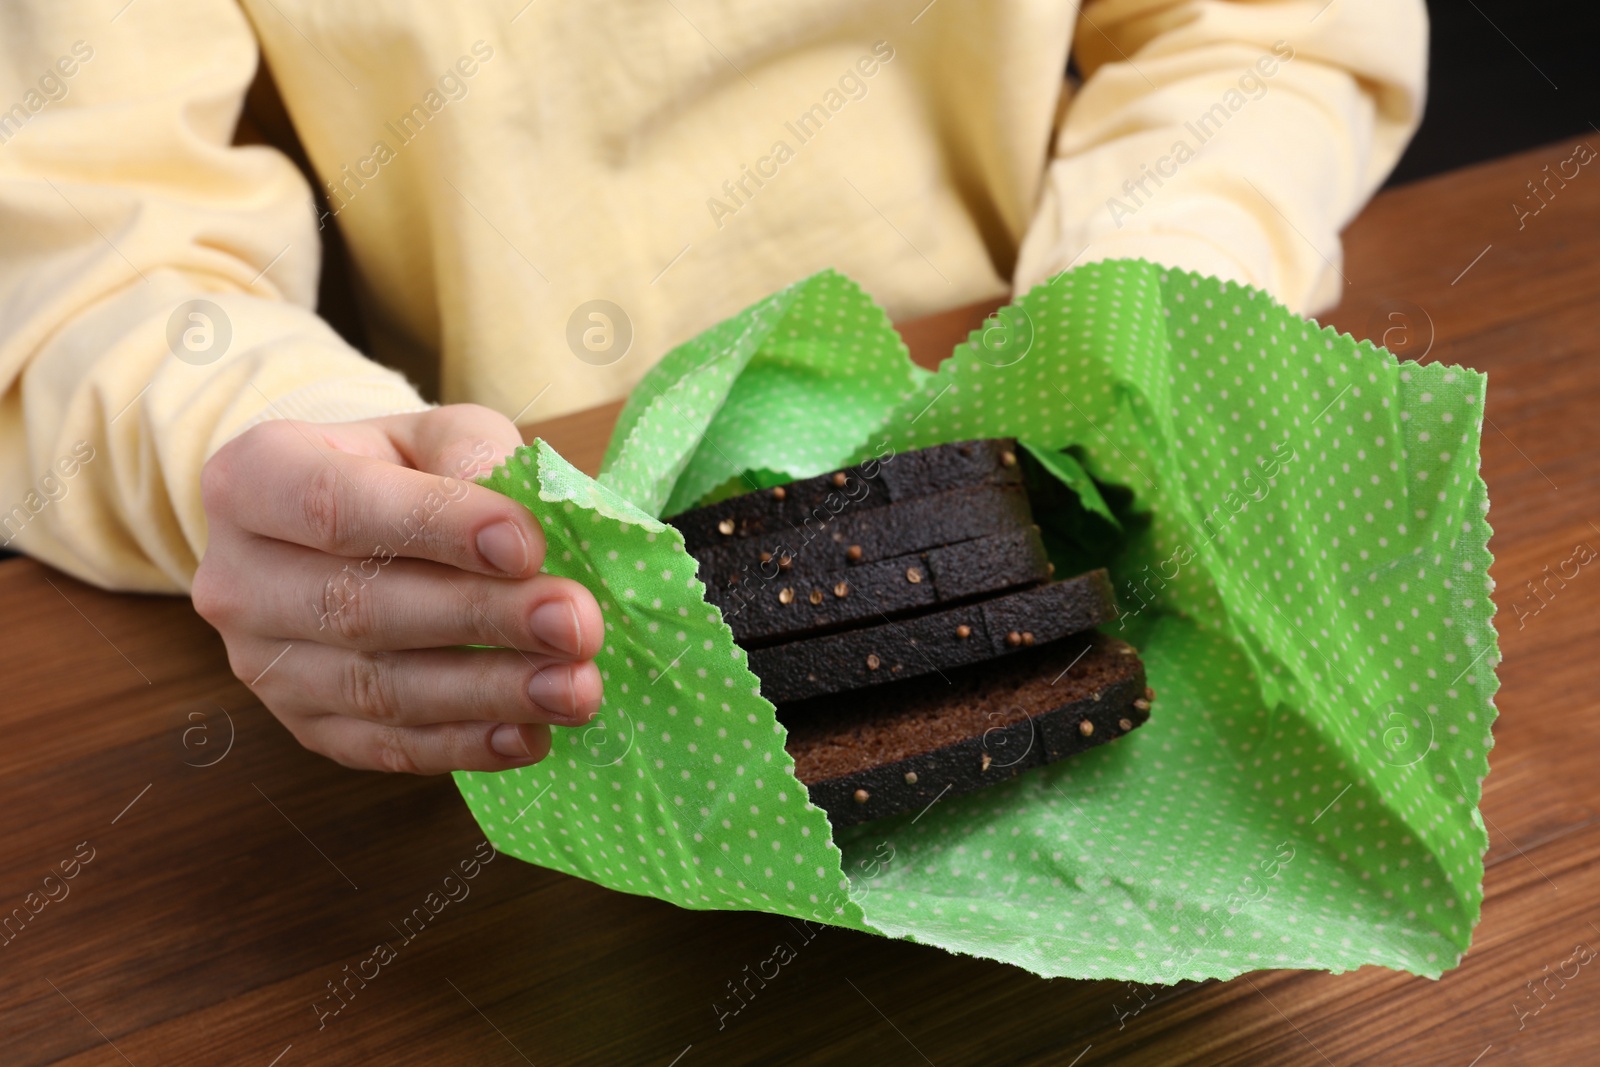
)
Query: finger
[
  {"x": 456, "y": 746},
  {"x": 462, "y": 441},
  {"x": 377, "y": 604},
  {"x": 272, "y": 481},
  {"x": 428, "y": 686}
]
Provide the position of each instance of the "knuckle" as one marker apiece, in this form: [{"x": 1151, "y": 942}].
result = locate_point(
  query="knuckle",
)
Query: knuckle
[
  {"x": 392, "y": 755},
  {"x": 483, "y": 437},
  {"x": 213, "y": 594},
  {"x": 418, "y": 526},
  {"x": 346, "y": 608},
  {"x": 476, "y": 612},
  {"x": 489, "y": 685},
  {"x": 367, "y": 687},
  {"x": 242, "y": 670},
  {"x": 484, "y": 419},
  {"x": 217, "y": 478},
  {"x": 236, "y": 467},
  {"x": 322, "y": 509},
  {"x": 303, "y": 730}
]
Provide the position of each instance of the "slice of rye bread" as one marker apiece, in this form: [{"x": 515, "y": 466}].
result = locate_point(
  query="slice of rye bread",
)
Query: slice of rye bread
[
  {"x": 934, "y": 642},
  {"x": 783, "y": 609},
  {"x": 856, "y": 537},
  {"x": 870, "y": 755},
  {"x": 875, "y": 483}
]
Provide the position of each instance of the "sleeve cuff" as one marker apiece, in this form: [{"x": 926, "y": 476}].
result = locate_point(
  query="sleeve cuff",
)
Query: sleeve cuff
[{"x": 343, "y": 400}]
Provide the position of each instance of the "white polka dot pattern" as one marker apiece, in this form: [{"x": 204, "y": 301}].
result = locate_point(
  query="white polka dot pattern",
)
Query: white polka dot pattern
[
  {"x": 680, "y": 788},
  {"x": 818, "y": 384},
  {"x": 1305, "y": 573}
]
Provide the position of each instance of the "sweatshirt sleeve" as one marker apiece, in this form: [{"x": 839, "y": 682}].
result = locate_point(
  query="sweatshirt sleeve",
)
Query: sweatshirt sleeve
[
  {"x": 157, "y": 286},
  {"x": 1230, "y": 137}
]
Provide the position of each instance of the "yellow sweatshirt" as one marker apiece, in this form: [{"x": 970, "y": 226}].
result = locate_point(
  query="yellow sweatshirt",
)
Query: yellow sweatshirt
[{"x": 496, "y": 166}]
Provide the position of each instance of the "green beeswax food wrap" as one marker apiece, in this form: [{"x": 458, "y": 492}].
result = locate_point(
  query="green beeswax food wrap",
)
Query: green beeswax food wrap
[{"x": 1295, "y": 526}]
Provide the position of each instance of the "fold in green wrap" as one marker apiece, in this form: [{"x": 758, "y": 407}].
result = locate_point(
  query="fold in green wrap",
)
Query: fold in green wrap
[{"x": 1302, "y": 559}]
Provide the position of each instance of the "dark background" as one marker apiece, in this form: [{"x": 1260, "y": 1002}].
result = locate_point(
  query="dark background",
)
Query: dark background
[{"x": 1505, "y": 75}]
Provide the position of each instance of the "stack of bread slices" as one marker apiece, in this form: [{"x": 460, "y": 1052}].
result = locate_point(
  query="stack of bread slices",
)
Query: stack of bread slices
[{"x": 906, "y": 621}]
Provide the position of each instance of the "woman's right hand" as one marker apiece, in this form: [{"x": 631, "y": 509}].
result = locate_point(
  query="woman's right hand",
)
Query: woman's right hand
[{"x": 347, "y": 563}]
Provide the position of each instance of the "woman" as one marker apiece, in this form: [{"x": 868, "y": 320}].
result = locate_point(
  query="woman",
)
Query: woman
[{"x": 539, "y": 199}]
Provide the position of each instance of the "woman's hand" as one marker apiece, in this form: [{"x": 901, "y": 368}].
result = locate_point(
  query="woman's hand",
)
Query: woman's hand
[{"x": 347, "y": 564}]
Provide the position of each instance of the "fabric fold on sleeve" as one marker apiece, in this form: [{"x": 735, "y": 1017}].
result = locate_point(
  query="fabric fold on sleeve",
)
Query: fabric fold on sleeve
[
  {"x": 1230, "y": 138},
  {"x": 157, "y": 296}
]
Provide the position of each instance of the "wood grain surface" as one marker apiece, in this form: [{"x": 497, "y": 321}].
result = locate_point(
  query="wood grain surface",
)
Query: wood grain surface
[{"x": 232, "y": 875}]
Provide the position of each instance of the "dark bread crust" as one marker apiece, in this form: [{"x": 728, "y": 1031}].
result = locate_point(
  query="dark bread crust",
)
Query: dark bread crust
[
  {"x": 932, "y": 642},
  {"x": 786, "y": 608},
  {"x": 819, "y": 546},
  {"x": 988, "y": 723},
  {"x": 873, "y": 484}
]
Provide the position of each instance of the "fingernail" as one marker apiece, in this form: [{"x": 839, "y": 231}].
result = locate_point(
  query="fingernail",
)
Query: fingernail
[
  {"x": 556, "y": 624},
  {"x": 552, "y": 689},
  {"x": 504, "y": 547},
  {"x": 507, "y": 741}
]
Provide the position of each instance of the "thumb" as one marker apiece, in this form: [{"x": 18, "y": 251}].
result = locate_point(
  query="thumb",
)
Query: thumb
[{"x": 463, "y": 441}]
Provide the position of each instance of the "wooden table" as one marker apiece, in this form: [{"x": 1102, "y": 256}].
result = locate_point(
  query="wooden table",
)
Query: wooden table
[{"x": 233, "y": 874}]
